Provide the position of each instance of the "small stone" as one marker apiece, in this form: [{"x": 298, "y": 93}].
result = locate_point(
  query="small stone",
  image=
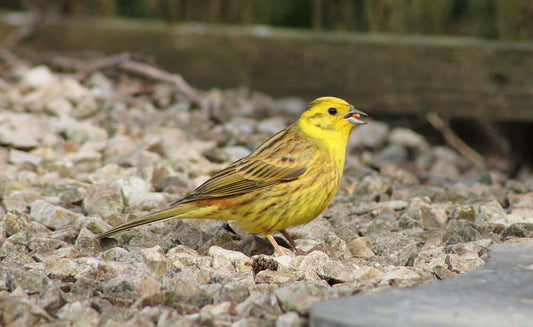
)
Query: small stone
[
  {"x": 292, "y": 105},
  {"x": 466, "y": 212},
  {"x": 149, "y": 285},
  {"x": 68, "y": 190},
  {"x": 307, "y": 245},
  {"x": 279, "y": 276},
  {"x": 223, "y": 257},
  {"x": 122, "y": 278},
  {"x": 216, "y": 155},
  {"x": 156, "y": 260},
  {"x": 397, "y": 174},
  {"x": 260, "y": 306},
  {"x": 21, "y": 130},
  {"x": 216, "y": 314},
  {"x": 445, "y": 168},
  {"x": 372, "y": 135},
  {"x": 104, "y": 200},
  {"x": 491, "y": 212},
  {"x": 99, "y": 85},
  {"x": 30, "y": 281},
  {"x": 407, "y": 138},
  {"x": 236, "y": 152},
  {"x": 136, "y": 195},
  {"x": 95, "y": 224},
  {"x": 109, "y": 173},
  {"x": 442, "y": 272},
  {"x": 21, "y": 200},
  {"x": 15, "y": 222},
  {"x": 271, "y": 125},
  {"x": 404, "y": 277},
  {"x": 428, "y": 215},
  {"x": 135, "y": 158},
  {"x": 59, "y": 107},
  {"x": 51, "y": 298},
  {"x": 232, "y": 291},
  {"x": 360, "y": 248},
  {"x": 154, "y": 314},
  {"x": 479, "y": 248},
  {"x": 464, "y": 231},
  {"x": 337, "y": 246},
  {"x": 219, "y": 309},
  {"x": 118, "y": 145},
  {"x": 407, "y": 221},
  {"x": 86, "y": 243},
  {"x": 52, "y": 216},
  {"x": 38, "y": 76},
  {"x": 18, "y": 157},
  {"x": 176, "y": 184},
  {"x": 309, "y": 263},
  {"x": 521, "y": 200},
  {"x": 334, "y": 272},
  {"x": 240, "y": 125},
  {"x": 185, "y": 256},
  {"x": 315, "y": 229},
  {"x": 115, "y": 254},
  {"x": 180, "y": 279},
  {"x": 191, "y": 236},
  {"x": 464, "y": 263},
  {"x": 184, "y": 302},
  {"x": 299, "y": 296},
  {"x": 222, "y": 238},
  {"x": 80, "y": 131},
  {"x": 520, "y": 215},
  {"x": 79, "y": 313},
  {"x": 20, "y": 311},
  {"x": 290, "y": 319},
  {"x": 366, "y": 273},
  {"x": 393, "y": 153},
  {"x": 518, "y": 230},
  {"x": 251, "y": 321},
  {"x": 39, "y": 244},
  {"x": 396, "y": 248}
]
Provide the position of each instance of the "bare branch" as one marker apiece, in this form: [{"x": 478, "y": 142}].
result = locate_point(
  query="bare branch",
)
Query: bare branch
[{"x": 454, "y": 141}]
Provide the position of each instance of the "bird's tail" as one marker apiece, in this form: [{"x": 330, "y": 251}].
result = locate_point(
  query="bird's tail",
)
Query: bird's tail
[{"x": 182, "y": 211}]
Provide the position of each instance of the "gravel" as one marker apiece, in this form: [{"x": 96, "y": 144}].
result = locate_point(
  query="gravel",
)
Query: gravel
[{"x": 79, "y": 156}]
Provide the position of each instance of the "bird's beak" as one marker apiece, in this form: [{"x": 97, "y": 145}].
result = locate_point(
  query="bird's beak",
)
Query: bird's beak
[{"x": 354, "y": 116}]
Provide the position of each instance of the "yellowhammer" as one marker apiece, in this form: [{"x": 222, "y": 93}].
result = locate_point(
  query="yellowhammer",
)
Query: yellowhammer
[{"x": 287, "y": 181}]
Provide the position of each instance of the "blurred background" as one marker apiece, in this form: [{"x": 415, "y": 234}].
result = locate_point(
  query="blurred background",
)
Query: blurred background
[
  {"x": 490, "y": 19},
  {"x": 470, "y": 62}
]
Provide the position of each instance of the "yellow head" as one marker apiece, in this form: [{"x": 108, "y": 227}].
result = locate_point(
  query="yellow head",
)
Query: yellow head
[{"x": 330, "y": 120}]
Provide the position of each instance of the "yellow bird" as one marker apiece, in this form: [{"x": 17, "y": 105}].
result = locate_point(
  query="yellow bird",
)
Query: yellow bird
[{"x": 287, "y": 181}]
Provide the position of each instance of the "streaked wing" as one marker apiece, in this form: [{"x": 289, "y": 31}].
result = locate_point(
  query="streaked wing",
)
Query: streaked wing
[{"x": 272, "y": 163}]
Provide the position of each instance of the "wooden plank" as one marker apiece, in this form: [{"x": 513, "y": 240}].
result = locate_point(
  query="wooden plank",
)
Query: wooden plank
[{"x": 456, "y": 77}]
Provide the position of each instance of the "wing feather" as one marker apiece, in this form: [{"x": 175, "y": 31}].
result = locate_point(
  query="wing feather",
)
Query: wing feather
[{"x": 272, "y": 163}]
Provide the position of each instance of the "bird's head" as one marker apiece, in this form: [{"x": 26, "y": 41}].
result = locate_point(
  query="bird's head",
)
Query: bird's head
[{"x": 330, "y": 119}]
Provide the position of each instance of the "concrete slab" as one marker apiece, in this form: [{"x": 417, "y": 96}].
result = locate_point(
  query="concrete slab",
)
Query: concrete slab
[{"x": 499, "y": 294}]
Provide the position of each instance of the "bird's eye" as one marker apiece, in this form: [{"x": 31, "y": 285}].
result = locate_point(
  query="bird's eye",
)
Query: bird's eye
[{"x": 332, "y": 111}]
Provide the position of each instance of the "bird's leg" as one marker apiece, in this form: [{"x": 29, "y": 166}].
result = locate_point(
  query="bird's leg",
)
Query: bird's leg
[
  {"x": 275, "y": 244},
  {"x": 291, "y": 241}
]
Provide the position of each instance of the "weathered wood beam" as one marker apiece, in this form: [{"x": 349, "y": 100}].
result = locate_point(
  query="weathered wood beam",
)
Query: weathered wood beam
[{"x": 456, "y": 77}]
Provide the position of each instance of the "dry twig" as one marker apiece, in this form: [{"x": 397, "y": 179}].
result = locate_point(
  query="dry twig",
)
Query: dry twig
[
  {"x": 454, "y": 141},
  {"x": 125, "y": 63},
  {"x": 10, "y": 58},
  {"x": 160, "y": 75},
  {"x": 163, "y": 76}
]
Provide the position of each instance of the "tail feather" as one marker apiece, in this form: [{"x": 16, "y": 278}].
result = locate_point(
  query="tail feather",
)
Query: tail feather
[{"x": 170, "y": 213}]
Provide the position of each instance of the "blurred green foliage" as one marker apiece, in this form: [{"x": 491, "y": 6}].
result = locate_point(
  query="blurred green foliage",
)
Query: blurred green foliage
[{"x": 503, "y": 19}]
